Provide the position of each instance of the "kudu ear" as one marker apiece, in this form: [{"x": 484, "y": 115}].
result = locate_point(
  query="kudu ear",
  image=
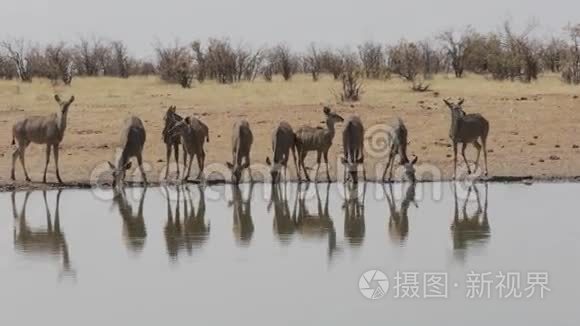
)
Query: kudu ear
[
  {"x": 187, "y": 120},
  {"x": 414, "y": 161},
  {"x": 57, "y": 98},
  {"x": 230, "y": 165},
  {"x": 111, "y": 165},
  {"x": 448, "y": 103},
  {"x": 461, "y": 101},
  {"x": 72, "y": 99},
  {"x": 326, "y": 110},
  {"x": 268, "y": 161}
]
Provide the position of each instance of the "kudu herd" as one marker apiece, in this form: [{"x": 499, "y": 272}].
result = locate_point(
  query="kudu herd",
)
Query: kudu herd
[{"x": 191, "y": 134}]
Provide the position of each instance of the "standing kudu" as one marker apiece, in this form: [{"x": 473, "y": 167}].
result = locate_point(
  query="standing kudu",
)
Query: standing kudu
[
  {"x": 132, "y": 141},
  {"x": 242, "y": 139},
  {"x": 283, "y": 140},
  {"x": 194, "y": 134},
  {"x": 398, "y": 137},
  {"x": 466, "y": 129},
  {"x": 172, "y": 141},
  {"x": 47, "y": 130},
  {"x": 353, "y": 146},
  {"x": 309, "y": 139}
]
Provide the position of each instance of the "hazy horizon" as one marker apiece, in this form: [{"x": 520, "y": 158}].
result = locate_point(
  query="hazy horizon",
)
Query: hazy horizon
[{"x": 259, "y": 22}]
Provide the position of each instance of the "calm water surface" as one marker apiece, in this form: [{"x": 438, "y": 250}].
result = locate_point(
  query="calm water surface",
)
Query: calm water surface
[{"x": 287, "y": 256}]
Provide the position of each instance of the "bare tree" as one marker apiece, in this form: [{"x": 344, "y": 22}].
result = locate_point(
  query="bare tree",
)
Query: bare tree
[
  {"x": 373, "y": 59},
  {"x": 59, "y": 63},
  {"x": 331, "y": 63},
  {"x": 405, "y": 60},
  {"x": 283, "y": 60},
  {"x": 553, "y": 54},
  {"x": 175, "y": 64},
  {"x": 199, "y": 61},
  {"x": 17, "y": 52},
  {"x": 351, "y": 78},
  {"x": 455, "y": 47},
  {"x": 7, "y": 68},
  {"x": 571, "y": 71},
  {"x": 313, "y": 62},
  {"x": 120, "y": 63}
]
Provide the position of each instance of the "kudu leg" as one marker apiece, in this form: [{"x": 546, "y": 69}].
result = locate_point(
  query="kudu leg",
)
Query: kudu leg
[
  {"x": 55, "y": 151},
  {"x": 167, "y": 158},
  {"x": 46, "y": 163},
  {"x": 176, "y": 149},
  {"x": 200, "y": 162},
  {"x": 21, "y": 154},
  {"x": 454, "y": 161},
  {"x": 484, "y": 143},
  {"x": 140, "y": 162},
  {"x": 478, "y": 148},
  {"x": 15, "y": 155},
  {"x": 318, "y": 161},
  {"x": 326, "y": 163},
  {"x": 464, "y": 158},
  {"x": 186, "y": 175}
]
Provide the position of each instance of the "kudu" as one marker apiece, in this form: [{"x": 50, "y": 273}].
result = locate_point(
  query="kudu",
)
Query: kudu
[
  {"x": 309, "y": 139},
  {"x": 317, "y": 225},
  {"x": 133, "y": 138},
  {"x": 353, "y": 146},
  {"x": 242, "y": 214},
  {"x": 194, "y": 134},
  {"x": 399, "y": 218},
  {"x": 398, "y": 136},
  {"x": 134, "y": 229},
  {"x": 50, "y": 241},
  {"x": 283, "y": 225},
  {"x": 192, "y": 231},
  {"x": 466, "y": 129},
  {"x": 283, "y": 141},
  {"x": 172, "y": 141},
  {"x": 242, "y": 139},
  {"x": 47, "y": 130},
  {"x": 470, "y": 229},
  {"x": 354, "y": 214}
]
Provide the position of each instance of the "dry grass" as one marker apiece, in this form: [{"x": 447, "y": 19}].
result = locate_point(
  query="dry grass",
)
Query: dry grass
[{"x": 517, "y": 113}]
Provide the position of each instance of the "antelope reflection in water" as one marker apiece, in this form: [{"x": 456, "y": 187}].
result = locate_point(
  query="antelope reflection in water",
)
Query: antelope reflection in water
[
  {"x": 193, "y": 232},
  {"x": 315, "y": 225},
  {"x": 399, "y": 218},
  {"x": 38, "y": 242},
  {"x": 354, "y": 217},
  {"x": 471, "y": 230},
  {"x": 284, "y": 222},
  {"x": 134, "y": 230},
  {"x": 242, "y": 214}
]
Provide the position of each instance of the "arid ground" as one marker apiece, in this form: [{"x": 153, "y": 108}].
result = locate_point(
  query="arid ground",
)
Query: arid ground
[{"x": 533, "y": 126}]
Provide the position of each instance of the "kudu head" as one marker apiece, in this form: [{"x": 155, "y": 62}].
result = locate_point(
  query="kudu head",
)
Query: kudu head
[
  {"x": 352, "y": 168},
  {"x": 456, "y": 108},
  {"x": 119, "y": 173},
  {"x": 331, "y": 117},
  {"x": 409, "y": 169},
  {"x": 64, "y": 105},
  {"x": 169, "y": 113},
  {"x": 274, "y": 169},
  {"x": 180, "y": 127},
  {"x": 236, "y": 171}
]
